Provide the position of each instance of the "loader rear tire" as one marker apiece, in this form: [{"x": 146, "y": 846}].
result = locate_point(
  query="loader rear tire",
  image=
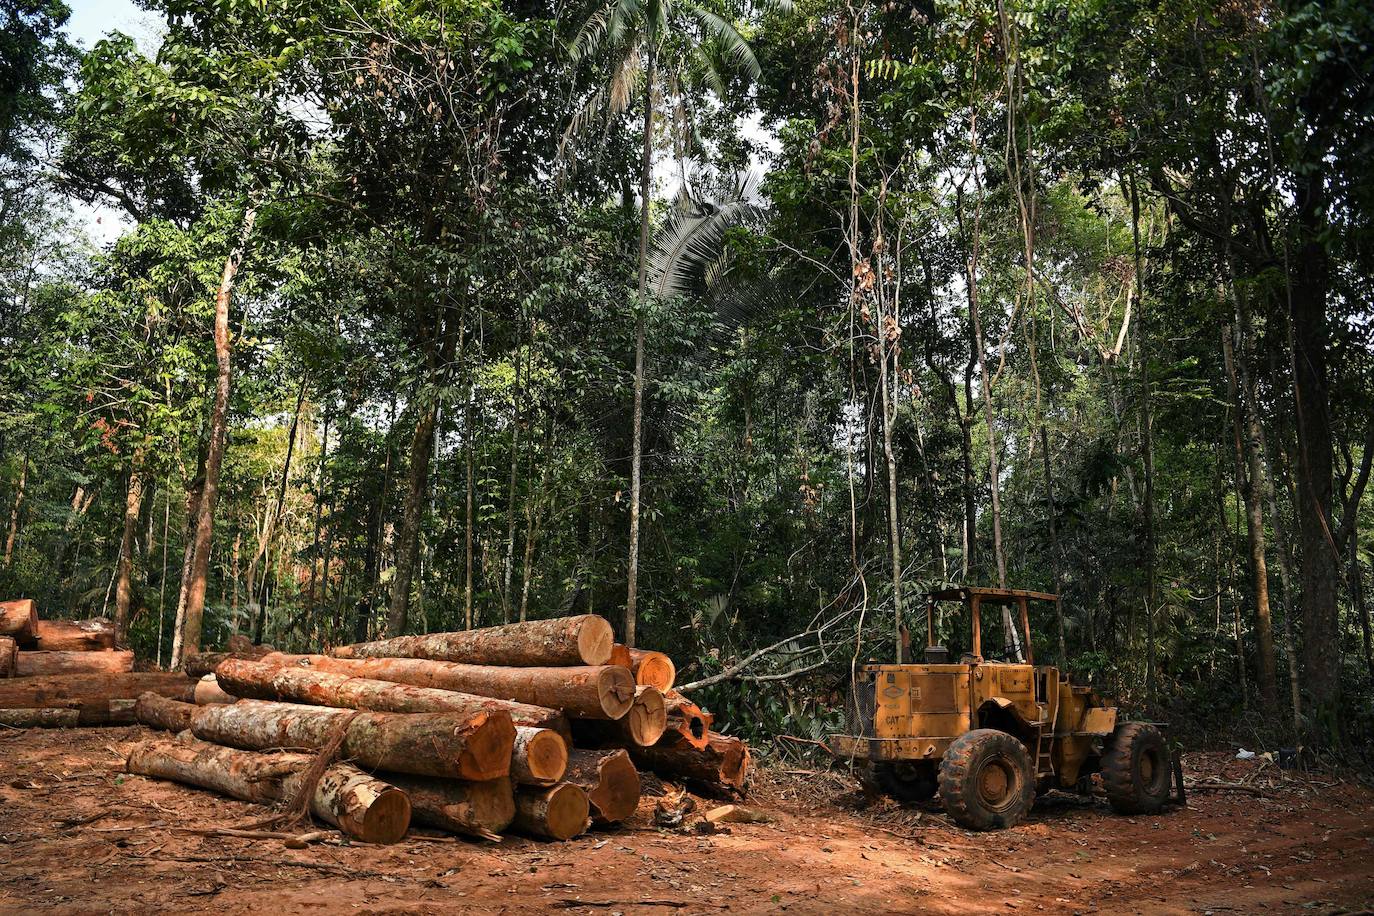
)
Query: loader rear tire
[
  {"x": 907, "y": 781},
  {"x": 1135, "y": 769},
  {"x": 985, "y": 780}
]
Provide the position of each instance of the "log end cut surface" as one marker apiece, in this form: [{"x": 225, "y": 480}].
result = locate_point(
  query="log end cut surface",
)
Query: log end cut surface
[
  {"x": 541, "y": 756},
  {"x": 648, "y": 718},
  {"x": 559, "y": 813},
  {"x": 595, "y": 640},
  {"x": 615, "y": 688},
  {"x": 490, "y": 743},
  {"x": 386, "y": 819},
  {"x": 653, "y": 668},
  {"x": 610, "y": 781}
]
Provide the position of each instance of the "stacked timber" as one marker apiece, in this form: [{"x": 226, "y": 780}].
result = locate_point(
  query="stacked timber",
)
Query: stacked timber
[
  {"x": 533, "y": 727},
  {"x": 31, "y": 646}
]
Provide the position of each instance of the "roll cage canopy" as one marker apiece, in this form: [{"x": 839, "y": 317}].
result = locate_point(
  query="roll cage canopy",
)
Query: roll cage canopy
[{"x": 975, "y": 597}]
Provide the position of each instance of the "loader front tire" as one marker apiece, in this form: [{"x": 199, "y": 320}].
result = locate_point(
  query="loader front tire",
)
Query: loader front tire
[
  {"x": 1135, "y": 769},
  {"x": 985, "y": 780}
]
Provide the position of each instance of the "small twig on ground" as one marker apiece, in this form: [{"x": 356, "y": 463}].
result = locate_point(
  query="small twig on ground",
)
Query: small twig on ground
[
  {"x": 570, "y": 903},
  {"x": 292, "y": 840},
  {"x": 81, "y": 821}
]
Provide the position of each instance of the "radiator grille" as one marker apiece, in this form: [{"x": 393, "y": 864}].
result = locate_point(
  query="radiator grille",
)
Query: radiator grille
[{"x": 861, "y": 708}]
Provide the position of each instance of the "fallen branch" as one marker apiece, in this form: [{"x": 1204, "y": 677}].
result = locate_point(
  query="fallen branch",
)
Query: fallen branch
[{"x": 1215, "y": 786}]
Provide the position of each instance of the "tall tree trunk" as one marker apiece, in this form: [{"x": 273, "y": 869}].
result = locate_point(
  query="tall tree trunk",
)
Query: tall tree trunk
[
  {"x": 1146, "y": 444},
  {"x": 194, "y": 488},
  {"x": 1249, "y": 472},
  {"x": 310, "y": 595},
  {"x": 1357, "y": 600},
  {"x": 637, "y": 431},
  {"x": 468, "y": 509},
  {"x": 1054, "y": 544},
  {"x": 13, "y": 534},
  {"x": 219, "y": 434},
  {"x": 412, "y": 515},
  {"x": 124, "y": 590},
  {"x": 1320, "y": 574},
  {"x": 260, "y": 622}
]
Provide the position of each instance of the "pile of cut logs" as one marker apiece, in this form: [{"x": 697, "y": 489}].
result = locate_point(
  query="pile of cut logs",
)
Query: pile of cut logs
[
  {"x": 541, "y": 727},
  {"x": 62, "y": 673}
]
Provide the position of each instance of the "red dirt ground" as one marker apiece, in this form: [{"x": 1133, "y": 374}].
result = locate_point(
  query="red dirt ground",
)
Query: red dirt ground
[{"x": 77, "y": 835}]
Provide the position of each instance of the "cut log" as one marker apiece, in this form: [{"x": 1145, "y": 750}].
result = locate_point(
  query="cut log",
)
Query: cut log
[
  {"x": 66, "y": 690},
  {"x": 303, "y": 682},
  {"x": 427, "y": 744},
  {"x": 540, "y": 757},
  {"x": 76, "y": 713},
  {"x": 93, "y": 635},
  {"x": 559, "y": 813},
  {"x": 209, "y": 691},
  {"x": 204, "y": 663},
  {"x": 642, "y": 726},
  {"x": 19, "y": 619},
  {"x": 74, "y": 662},
  {"x": 482, "y": 809},
  {"x": 653, "y": 668},
  {"x": 362, "y": 806},
  {"x": 723, "y": 763},
  {"x": 157, "y": 711},
  {"x": 600, "y": 692},
  {"x": 610, "y": 780},
  {"x": 687, "y": 719},
  {"x": 582, "y": 640},
  {"x": 9, "y": 656}
]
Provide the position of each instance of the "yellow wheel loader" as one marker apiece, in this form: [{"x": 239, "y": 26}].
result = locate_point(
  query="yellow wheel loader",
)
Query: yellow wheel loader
[{"x": 988, "y": 733}]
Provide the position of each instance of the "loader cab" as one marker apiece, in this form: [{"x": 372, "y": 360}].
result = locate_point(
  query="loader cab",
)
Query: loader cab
[{"x": 1000, "y": 638}]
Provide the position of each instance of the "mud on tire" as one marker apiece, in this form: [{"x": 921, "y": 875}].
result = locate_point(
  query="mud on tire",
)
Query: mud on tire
[
  {"x": 1135, "y": 769},
  {"x": 985, "y": 780}
]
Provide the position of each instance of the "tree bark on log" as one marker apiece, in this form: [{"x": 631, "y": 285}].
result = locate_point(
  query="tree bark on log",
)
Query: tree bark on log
[
  {"x": 559, "y": 813},
  {"x": 362, "y": 806},
  {"x": 602, "y": 692},
  {"x": 642, "y": 726},
  {"x": 481, "y": 809},
  {"x": 9, "y": 656},
  {"x": 32, "y": 692},
  {"x": 296, "y": 682},
  {"x": 724, "y": 762},
  {"x": 209, "y": 691},
  {"x": 206, "y": 662},
  {"x": 687, "y": 719},
  {"x": 71, "y": 714},
  {"x": 43, "y": 662},
  {"x": 19, "y": 619},
  {"x": 582, "y": 640},
  {"x": 653, "y": 668},
  {"x": 426, "y": 744},
  {"x": 610, "y": 780},
  {"x": 74, "y": 635},
  {"x": 157, "y": 711}
]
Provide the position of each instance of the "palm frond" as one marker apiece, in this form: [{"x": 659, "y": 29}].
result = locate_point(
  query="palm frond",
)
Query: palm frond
[
  {"x": 591, "y": 36},
  {"x": 731, "y": 43},
  {"x": 626, "y": 79},
  {"x": 691, "y": 241}
]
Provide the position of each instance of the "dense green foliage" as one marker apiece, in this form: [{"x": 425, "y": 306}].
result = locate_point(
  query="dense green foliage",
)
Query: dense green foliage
[{"x": 1067, "y": 297}]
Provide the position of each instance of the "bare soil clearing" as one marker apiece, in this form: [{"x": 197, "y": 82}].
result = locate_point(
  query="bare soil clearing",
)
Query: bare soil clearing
[{"x": 79, "y": 835}]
